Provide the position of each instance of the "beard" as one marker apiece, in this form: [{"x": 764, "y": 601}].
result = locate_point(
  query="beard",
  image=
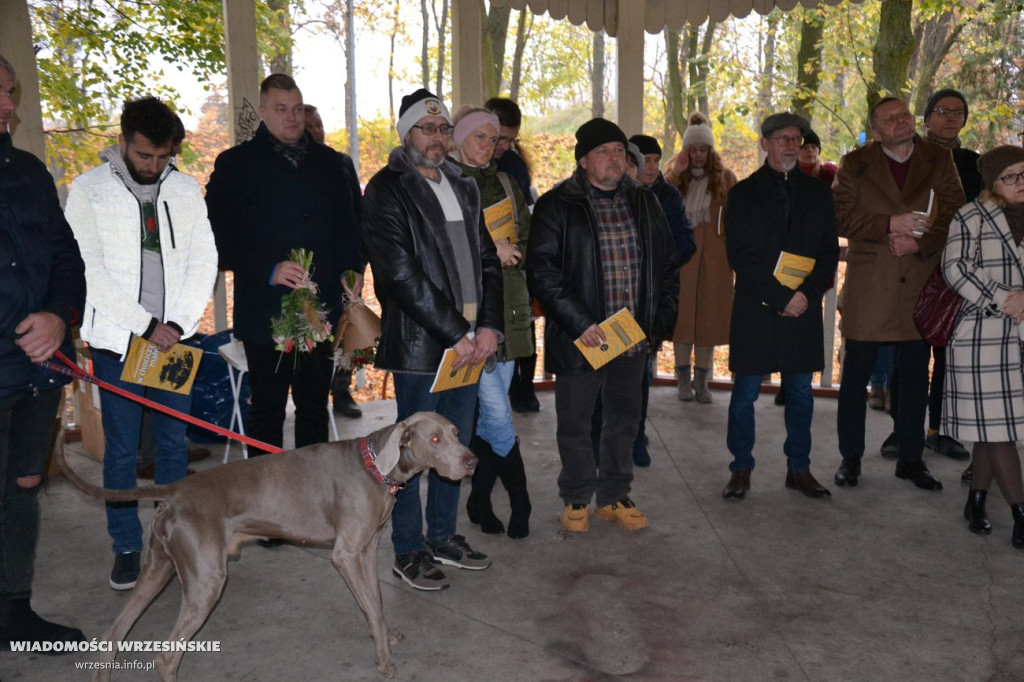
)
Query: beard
[
  {"x": 787, "y": 165},
  {"x": 139, "y": 179},
  {"x": 422, "y": 159}
]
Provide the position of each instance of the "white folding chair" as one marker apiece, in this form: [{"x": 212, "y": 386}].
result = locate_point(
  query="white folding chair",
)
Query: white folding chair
[{"x": 234, "y": 355}]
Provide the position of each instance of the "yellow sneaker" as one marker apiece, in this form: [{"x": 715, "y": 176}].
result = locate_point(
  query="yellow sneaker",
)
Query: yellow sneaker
[
  {"x": 575, "y": 518},
  {"x": 624, "y": 513}
]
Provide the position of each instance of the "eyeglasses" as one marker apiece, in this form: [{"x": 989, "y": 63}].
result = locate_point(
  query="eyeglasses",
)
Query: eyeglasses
[
  {"x": 1012, "y": 178},
  {"x": 787, "y": 140},
  {"x": 510, "y": 141},
  {"x": 943, "y": 112},
  {"x": 431, "y": 129}
]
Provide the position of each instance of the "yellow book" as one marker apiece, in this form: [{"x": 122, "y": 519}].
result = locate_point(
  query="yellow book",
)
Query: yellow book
[
  {"x": 172, "y": 371},
  {"x": 791, "y": 269},
  {"x": 447, "y": 377},
  {"x": 501, "y": 220},
  {"x": 621, "y": 332}
]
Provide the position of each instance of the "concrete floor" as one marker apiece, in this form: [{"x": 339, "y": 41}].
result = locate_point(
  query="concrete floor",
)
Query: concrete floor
[{"x": 882, "y": 582}]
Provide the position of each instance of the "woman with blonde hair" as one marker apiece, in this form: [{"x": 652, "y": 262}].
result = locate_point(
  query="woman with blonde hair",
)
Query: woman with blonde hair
[
  {"x": 507, "y": 217},
  {"x": 983, "y": 400},
  {"x": 706, "y": 281}
]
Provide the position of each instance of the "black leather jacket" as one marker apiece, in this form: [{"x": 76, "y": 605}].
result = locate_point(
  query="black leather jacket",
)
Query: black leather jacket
[
  {"x": 563, "y": 268},
  {"x": 413, "y": 264}
]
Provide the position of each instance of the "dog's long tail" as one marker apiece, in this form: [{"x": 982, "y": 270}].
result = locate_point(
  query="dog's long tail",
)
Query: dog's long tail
[{"x": 127, "y": 495}]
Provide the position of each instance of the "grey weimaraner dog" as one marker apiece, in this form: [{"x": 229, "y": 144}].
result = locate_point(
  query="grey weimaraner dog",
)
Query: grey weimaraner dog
[{"x": 340, "y": 493}]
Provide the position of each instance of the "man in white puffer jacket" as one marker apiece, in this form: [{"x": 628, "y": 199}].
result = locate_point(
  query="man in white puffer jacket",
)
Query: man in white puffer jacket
[{"x": 150, "y": 264}]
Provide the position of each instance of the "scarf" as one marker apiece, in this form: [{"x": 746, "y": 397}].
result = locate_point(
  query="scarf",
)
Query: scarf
[
  {"x": 698, "y": 198},
  {"x": 948, "y": 144},
  {"x": 293, "y": 153}
]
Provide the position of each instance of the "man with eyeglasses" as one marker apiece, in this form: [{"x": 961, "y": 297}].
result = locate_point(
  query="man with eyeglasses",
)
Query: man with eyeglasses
[
  {"x": 439, "y": 282},
  {"x": 896, "y": 233},
  {"x": 945, "y": 115},
  {"x": 779, "y": 214}
]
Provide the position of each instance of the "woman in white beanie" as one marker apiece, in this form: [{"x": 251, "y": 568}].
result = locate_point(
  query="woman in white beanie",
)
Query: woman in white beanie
[{"x": 706, "y": 281}]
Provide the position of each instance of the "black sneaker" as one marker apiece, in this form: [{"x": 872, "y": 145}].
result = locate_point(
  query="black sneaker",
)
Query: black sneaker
[
  {"x": 344, "y": 404},
  {"x": 126, "y": 570},
  {"x": 417, "y": 569},
  {"x": 455, "y": 551}
]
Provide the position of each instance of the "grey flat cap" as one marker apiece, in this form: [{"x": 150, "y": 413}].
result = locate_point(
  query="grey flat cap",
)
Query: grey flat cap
[{"x": 784, "y": 120}]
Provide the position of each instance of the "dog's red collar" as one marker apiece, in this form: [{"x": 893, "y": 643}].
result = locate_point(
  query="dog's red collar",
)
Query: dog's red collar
[{"x": 369, "y": 455}]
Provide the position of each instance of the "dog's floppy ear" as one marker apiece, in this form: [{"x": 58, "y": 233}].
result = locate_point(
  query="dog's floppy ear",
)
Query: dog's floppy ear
[{"x": 389, "y": 443}]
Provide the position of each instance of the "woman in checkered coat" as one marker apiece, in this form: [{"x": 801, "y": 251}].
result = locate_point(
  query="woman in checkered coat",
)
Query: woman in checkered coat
[{"x": 984, "y": 397}]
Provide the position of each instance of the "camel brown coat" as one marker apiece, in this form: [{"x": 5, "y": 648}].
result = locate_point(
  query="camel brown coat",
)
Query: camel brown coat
[
  {"x": 881, "y": 289},
  {"x": 706, "y": 280}
]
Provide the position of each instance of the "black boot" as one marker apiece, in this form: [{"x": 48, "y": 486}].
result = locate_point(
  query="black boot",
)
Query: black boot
[
  {"x": 513, "y": 477},
  {"x": 19, "y": 623},
  {"x": 478, "y": 506},
  {"x": 1018, "y": 524},
  {"x": 521, "y": 395},
  {"x": 974, "y": 512}
]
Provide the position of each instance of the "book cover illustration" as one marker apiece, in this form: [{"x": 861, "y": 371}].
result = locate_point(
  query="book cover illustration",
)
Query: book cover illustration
[
  {"x": 174, "y": 370},
  {"x": 621, "y": 332}
]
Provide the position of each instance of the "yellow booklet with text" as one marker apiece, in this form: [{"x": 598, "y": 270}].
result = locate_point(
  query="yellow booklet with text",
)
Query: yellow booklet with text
[
  {"x": 621, "y": 332},
  {"x": 791, "y": 269},
  {"x": 501, "y": 220},
  {"x": 173, "y": 371},
  {"x": 447, "y": 377}
]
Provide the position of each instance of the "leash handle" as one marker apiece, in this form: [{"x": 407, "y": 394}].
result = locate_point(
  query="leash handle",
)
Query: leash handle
[{"x": 73, "y": 370}]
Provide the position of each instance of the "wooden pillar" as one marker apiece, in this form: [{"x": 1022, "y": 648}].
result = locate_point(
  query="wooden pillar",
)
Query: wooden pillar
[
  {"x": 16, "y": 47},
  {"x": 629, "y": 77},
  {"x": 243, "y": 99},
  {"x": 467, "y": 52}
]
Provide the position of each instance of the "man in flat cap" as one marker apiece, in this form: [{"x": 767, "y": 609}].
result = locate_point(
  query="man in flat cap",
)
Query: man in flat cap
[
  {"x": 894, "y": 202},
  {"x": 598, "y": 244},
  {"x": 783, "y": 246},
  {"x": 439, "y": 283}
]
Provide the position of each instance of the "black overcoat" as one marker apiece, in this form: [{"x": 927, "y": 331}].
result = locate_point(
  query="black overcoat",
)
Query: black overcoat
[{"x": 768, "y": 213}]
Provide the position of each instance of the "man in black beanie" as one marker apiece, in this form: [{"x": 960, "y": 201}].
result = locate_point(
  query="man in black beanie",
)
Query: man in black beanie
[
  {"x": 598, "y": 244},
  {"x": 439, "y": 283}
]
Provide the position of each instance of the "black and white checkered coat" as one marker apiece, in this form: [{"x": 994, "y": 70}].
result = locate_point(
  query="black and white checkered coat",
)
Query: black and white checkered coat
[{"x": 983, "y": 398}]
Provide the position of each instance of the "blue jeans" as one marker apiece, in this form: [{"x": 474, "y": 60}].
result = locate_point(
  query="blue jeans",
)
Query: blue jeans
[
  {"x": 412, "y": 393},
  {"x": 494, "y": 423},
  {"x": 799, "y": 411},
  {"x": 122, "y": 419}
]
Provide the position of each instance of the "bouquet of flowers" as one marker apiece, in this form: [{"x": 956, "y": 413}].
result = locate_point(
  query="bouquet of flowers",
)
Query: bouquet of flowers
[
  {"x": 355, "y": 344},
  {"x": 303, "y": 320}
]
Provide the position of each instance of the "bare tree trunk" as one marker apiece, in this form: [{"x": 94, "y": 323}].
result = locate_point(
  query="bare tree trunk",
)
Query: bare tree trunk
[
  {"x": 698, "y": 65},
  {"x": 934, "y": 38},
  {"x": 351, "y": 121},
  {"x": 704, "y": 67},
  {"x": 441, "y": 26},
  {"x": 391, "y": 65},
  {"x": 517, "y": 58},
  {"x": 676, "y": 82},
  {"x": 767, "y": 85},
  {"x": 424, "y": 45},
  {"x": 597, "y": 77},
  {"x": 495, "y": 28},
  {"x": 808, "y": 64},
  {"x": 282, "y": 62},
  {"x": 892, "y": 51}
]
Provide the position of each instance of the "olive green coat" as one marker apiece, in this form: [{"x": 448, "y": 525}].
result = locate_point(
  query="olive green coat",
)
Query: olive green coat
[{"x": 518, "y": 329}]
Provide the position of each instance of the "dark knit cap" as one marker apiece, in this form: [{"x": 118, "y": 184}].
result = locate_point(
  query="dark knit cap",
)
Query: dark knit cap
[
  {"x": 646, "y": 144},
  {"x": 940, "y": 94},
  {"x": 784, "y": 120},
  {"x": 993, "y": 163},
  {"x": 810, "y": 137},
  {"x": 596, "y": 132}
]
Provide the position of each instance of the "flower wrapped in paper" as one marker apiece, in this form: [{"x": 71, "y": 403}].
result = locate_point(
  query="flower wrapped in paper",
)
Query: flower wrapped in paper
[
  {"x": 303, "y": 320},
  {"x": 358, "y": 330}
]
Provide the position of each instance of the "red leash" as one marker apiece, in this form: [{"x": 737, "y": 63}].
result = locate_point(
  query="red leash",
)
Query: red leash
[{"x": 73, "y": 370}]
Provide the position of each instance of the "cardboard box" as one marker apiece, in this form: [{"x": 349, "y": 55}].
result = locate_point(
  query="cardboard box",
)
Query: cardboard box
[{"x": 87, "y": 408}]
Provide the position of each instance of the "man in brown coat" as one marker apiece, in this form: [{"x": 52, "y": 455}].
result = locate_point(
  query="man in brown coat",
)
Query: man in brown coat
[{"x": 882, "y": 197}]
